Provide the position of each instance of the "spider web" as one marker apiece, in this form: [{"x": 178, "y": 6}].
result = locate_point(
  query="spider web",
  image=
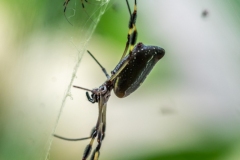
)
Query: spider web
[{"x": 80, "y": 45}]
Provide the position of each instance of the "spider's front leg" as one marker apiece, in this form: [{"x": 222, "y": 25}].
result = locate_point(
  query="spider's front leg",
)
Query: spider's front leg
[
  {"x": 131, "y": 40},
  {"x": 132, "y": 30}
]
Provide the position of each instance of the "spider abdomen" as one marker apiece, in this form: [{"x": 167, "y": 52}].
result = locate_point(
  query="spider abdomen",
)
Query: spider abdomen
[{"x": 141, "y": 62}]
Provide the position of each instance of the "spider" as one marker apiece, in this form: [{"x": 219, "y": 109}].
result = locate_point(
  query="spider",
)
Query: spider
[{"x": 126, "y": 77}]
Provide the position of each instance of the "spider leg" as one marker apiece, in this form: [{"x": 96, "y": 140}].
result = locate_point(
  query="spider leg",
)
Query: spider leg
[
  {"x": 82, "y": 88},
  {"x": 95, "y": 131},
  {"x": 83, "y": 3},
  {"x": 65, "y": 5},
  {"x": 103, "y": 69},
  {"x": 132, "y": 30},
  {"x": 101, "y": 131},
  {"x": 104, "y": 121},
  {"x": 70, "y": 139},
  {"x": 76, "y": 139},
  {"x": 132, "y": 38}
]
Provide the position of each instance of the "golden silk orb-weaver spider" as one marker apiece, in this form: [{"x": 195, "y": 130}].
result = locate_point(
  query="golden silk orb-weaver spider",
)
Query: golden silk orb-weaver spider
[{"x": 126, "y": 77}]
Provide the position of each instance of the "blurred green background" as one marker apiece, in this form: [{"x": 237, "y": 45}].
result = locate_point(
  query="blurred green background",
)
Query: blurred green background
[{"x": 188, "y": 108}]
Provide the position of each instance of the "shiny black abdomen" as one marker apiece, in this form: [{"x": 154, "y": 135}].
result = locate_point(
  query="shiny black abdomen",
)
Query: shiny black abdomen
[{"x": 134, "y": 73}]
